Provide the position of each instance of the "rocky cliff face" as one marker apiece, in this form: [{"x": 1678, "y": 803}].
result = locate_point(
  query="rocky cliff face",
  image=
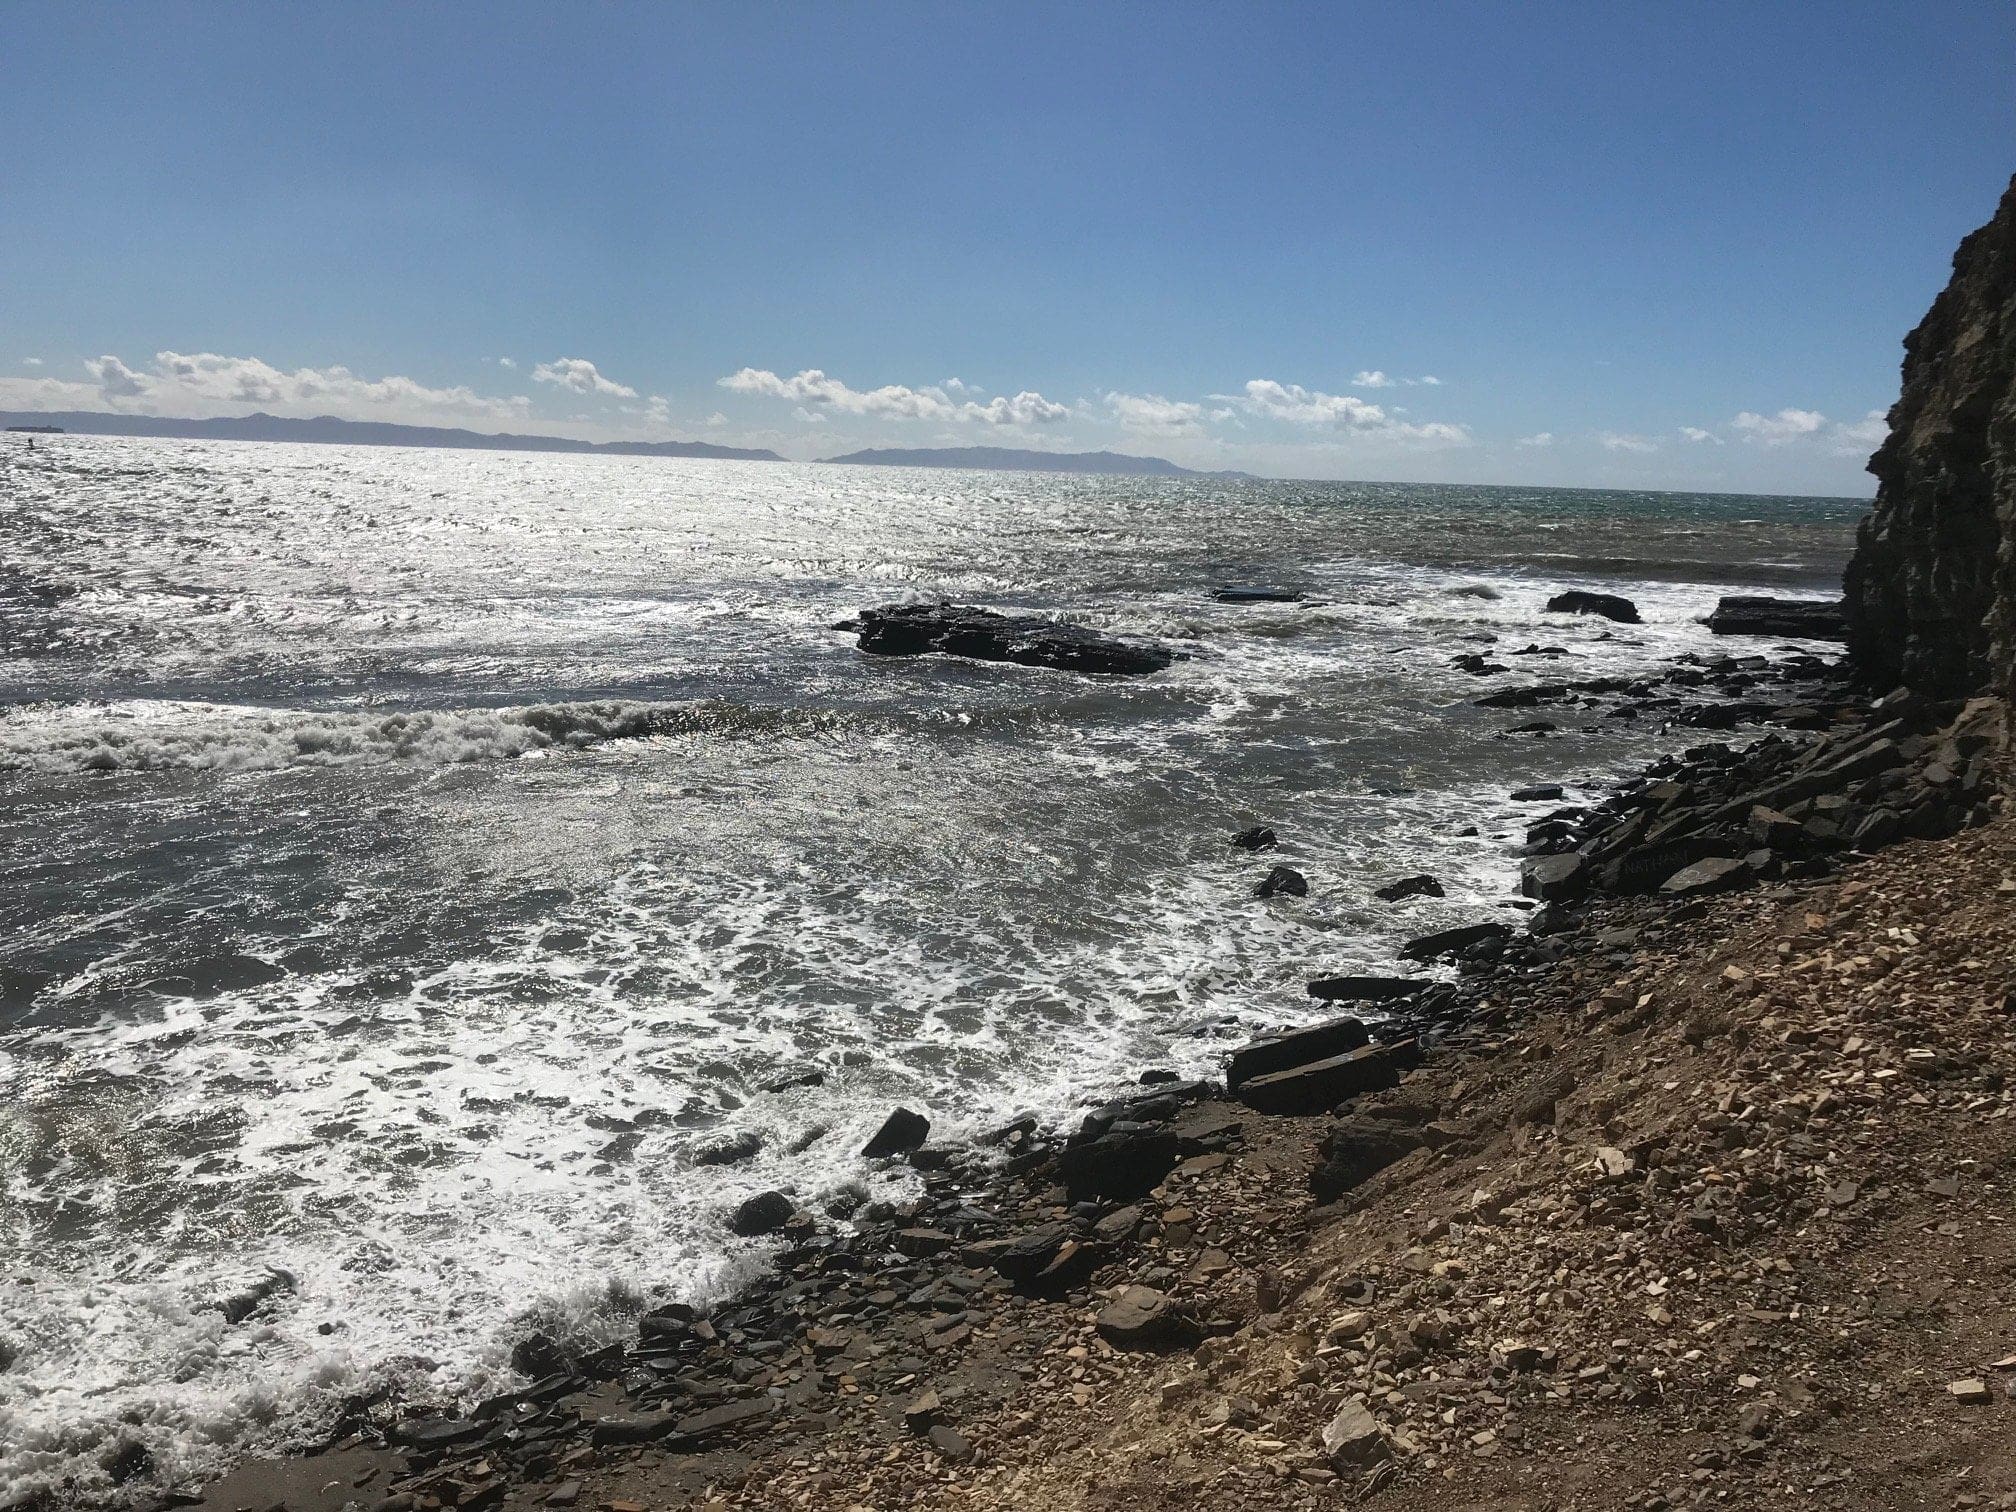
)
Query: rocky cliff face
[{"x": 1931, "y": 592}]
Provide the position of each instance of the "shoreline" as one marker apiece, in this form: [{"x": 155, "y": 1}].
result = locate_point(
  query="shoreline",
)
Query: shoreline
[{"x": 927, "y": 1316}]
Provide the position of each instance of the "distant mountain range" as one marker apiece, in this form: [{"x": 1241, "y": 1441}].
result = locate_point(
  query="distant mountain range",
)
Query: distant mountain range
[
  {"x": 327, "y": 428},
  {"x": 1017, "y": 459}
]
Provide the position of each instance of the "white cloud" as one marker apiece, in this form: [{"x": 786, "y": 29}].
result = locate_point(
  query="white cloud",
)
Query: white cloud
[
  {"x": 1619, "y": 441},
  {"x": 1538, "y": 438},
  {"x": 507, "y": 362},
  {"x": 815, "y": 393},
  {"x": 1292, "y": 403},
  {"x": 1695, "y": 433},
  {"x": 203, "y": 384},
  {"x": 717, "y": 418},
  {"x": 1870, "y": 430},
  {"x": 1153, "y": 413},
  {"x": 1375, "y": 378},
  {"x": 580, "y": 375},
  {"x": 31, "y": 362},
  {"x": 118, "y": 381},
  {"x": 1776, "y": 430}
]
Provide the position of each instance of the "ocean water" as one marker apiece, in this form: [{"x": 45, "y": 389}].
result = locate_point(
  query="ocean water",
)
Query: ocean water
[{"x": 414, "y": 859}]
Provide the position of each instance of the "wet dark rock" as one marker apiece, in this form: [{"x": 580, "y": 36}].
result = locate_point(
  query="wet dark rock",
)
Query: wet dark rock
[
  {"x": 1365, "y": 989},
  {"x": 1554, "y": 877},
  {"x": 433, "y": 1433},
  {"x": 1809, "y": 619},
  {"x": 1025, "y": 639},
  {"x": 1119, "y": 1166},
  {"x": 1322, "y": 1085},
  {"x": 765, "y": 1213},
  {"x": 1318, "y": 1042},
  {"x": 539, "y": 1355},
  {"x": 1258, "y": 838},
  {"x": 731, "y": 1150},
  {"x": 239, "y": 1305},
  {"x": 1229, "y": 594},
  {"x": 626, "y": 1428},
  {"x": 1422, "y": 886},
  {"x": 1539, "y": 792},
  {"x": 1610, "y": 606},
  {"x": 901, "y": 1132},
  {"x": 1478, "y": 664},
  {"x": 1283, "y": 881},
  {"x": 1521, "y": 698},
  {"x": 809, "y": 1076},
  {"x": 1459, "y": 941}
]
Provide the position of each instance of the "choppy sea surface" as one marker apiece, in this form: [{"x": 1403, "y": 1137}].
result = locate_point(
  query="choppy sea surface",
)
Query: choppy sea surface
[{"x": 412, "y": 859}]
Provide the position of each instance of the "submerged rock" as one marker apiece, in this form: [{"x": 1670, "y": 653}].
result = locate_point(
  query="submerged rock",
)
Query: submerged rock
[
  {"x": 1422, "y": 886},
  {"x": 1025, "y": 639},
  {"x": 1285, "y": 880},
  {"x": 1232, "y": 594},
  {"x": 1610, "y": 606},
  {"x": 1258, "y": 838}
]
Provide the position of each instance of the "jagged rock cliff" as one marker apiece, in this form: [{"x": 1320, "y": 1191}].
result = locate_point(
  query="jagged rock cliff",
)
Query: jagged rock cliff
[{"x": 1930, "y": 589}]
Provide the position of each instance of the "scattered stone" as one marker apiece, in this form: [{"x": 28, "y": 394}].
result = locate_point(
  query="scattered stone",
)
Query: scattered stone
[
  {"x": 1142, "y": 1318},
  {"x": 953, "y": 1445},
  {"x": 1354, "y": 1438},
  {"x": 1257, "y": 838},
  {"x": 1971, "y": 1392}
]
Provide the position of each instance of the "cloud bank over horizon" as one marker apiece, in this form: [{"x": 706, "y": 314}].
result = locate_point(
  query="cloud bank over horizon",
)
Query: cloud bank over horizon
[{"x": 1265, "y": 425}]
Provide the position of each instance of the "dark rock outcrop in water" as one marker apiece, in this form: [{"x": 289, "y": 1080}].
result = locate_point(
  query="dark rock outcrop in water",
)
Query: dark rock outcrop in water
[
  {"x": 1930, "y": 587},
  {"x": 1025, "y": 639},
  {"x": 1811, "y": 619},
  {"x": 1609, "y": 606}
]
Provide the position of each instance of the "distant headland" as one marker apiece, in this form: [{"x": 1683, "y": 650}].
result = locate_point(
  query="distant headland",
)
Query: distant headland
[
  {"x": 328, "y": 429},
  {"x": 1012, "y": 458}
]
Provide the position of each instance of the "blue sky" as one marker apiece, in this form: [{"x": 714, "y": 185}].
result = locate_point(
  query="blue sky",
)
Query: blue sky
[{"x": 1680, "y": 242}]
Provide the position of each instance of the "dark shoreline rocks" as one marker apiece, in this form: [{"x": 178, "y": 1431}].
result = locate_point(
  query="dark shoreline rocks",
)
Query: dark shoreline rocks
[
  {"x": 1025, "y": 639},
  {"x": 1808, "y": 619}
]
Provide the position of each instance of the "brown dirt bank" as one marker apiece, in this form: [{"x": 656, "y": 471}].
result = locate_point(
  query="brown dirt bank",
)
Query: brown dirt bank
[{"x": 1714, "y": 1213}]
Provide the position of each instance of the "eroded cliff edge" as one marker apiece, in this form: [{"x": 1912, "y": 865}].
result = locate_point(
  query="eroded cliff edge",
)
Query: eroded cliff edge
[{"x": 1929, "y": 590}]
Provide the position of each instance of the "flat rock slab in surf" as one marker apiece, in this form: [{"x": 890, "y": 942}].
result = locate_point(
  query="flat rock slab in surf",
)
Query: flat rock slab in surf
[
  {"x": 1024, "y": 639},
  {"x": 1811, "y": 619}
]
